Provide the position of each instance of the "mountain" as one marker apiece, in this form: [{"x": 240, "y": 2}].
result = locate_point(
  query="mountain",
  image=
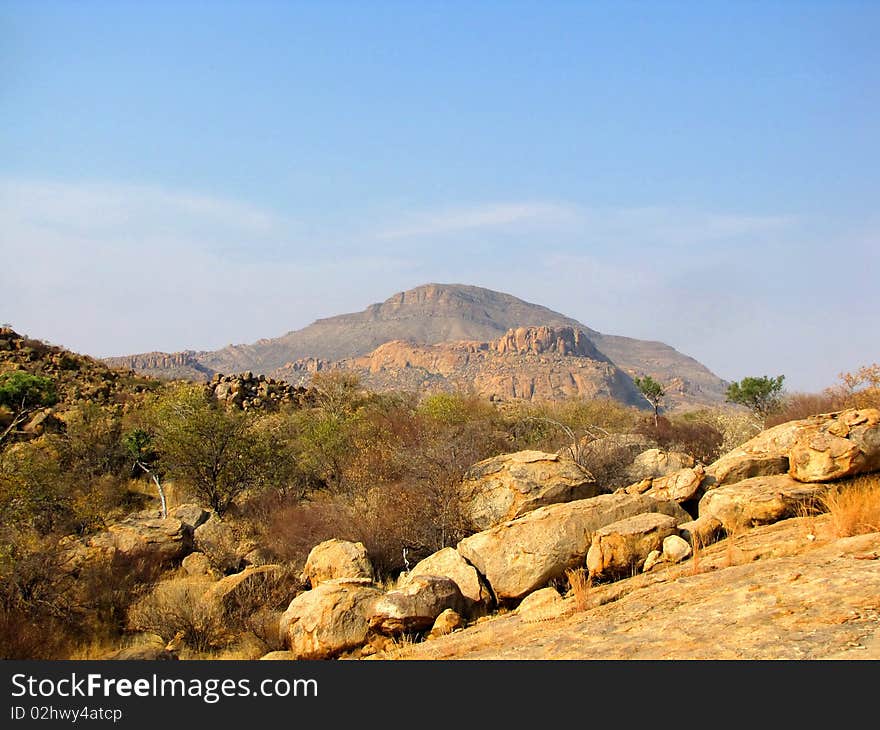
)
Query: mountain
[
  {"x": 429, "y": 315},
  {"x": 528, "y": 363}
]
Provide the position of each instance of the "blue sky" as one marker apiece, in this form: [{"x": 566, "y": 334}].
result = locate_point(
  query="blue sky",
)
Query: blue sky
[{"x": 187, "y": 175}]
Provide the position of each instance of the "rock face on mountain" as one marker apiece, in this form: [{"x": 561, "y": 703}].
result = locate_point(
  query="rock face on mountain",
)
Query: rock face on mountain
[
  {"x": 444, "y": 313},
  {"x": 528, "y": 363}
]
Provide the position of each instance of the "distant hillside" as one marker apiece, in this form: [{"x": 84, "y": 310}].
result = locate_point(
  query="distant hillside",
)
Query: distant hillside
[
  {"x": 528, "y": 363},
  {"x": 76, "y": 378},
  {"x": 428, "y": 315}
]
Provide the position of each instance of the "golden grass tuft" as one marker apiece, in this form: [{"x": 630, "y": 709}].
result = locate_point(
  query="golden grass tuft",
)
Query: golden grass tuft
[
  {"x": 854, "y": 506},
  {"x": 580, "y": 583}
]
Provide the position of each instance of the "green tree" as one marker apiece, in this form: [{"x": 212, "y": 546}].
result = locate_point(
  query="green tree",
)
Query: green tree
[
  {"x": 23, "y": 394},
  {"x": 653, "y": 392},
  {"x": 762, "y": 396},
  {"x": 141, "y": 450},
  {"x": 217, "y": 452}
]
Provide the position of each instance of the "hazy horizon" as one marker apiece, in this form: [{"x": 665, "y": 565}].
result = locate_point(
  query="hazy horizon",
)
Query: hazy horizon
[{"x": 188, "y": 175}]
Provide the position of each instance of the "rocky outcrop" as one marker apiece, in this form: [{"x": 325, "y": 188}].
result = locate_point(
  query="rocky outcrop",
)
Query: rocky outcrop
[
  {"x": 836, "y": 445},
  {"x": 154, "y": 541},
  {"x": 414, "y": 607},
  {"x": 760, "y": 501},
  {"x": 816, "y": 449},
  {"x": 448, "y": 563},
  {"x": 327, "y": 620},
  {"x": 521, "y": 555},
  {"x": 619, "y": 549},
  {"x": 507, "y": 486},
  {"x": 248, "y": 391},
  {"x": 532, "y": 363},
  {"x": 764, "y": 455},
  {"x": 190, "y": 514},
  {"x": 675, "y": 549},
  {"x": 546, "y": 340},
  {"x": 334, "y": 559}
]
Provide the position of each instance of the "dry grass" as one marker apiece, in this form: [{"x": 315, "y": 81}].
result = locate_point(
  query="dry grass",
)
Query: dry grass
[
  {"x": 854, "y": 506},
  {"x": 580, "y": 583}
]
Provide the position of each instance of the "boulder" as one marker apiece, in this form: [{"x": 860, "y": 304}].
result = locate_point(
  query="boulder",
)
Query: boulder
[
  {"x": 679, "y": 486},
  {"x": 655, "y": 558},
  {"x": 448, "y": 563},
  {"x": 154, "y": 541},
  {"x": 217, "y": 539},
  {"x": 414, "y": 607},
  {"x": 837, "y": 445},
  {"x": 242, "y": 590},
  {"x": 764, "y": 455},
  {"x": 617, "y": 549},
  {"x": 700, "y": 532},
  {"x": 759, "y": 501},
  {"x": 447, "y": 622},
  {"x": 507, "y": 486},
  {"x": 657, "y": 463},
  {"x": 521, "y": 555},
  {"x": 336, "y": 559},
  {"x": 676, "y": 549},
  {"x": 327, "y": 620},
  {"x": 542, "y": 605},
  {"x": 197, "y": 565},
  {"x": 190, "y": 514}
]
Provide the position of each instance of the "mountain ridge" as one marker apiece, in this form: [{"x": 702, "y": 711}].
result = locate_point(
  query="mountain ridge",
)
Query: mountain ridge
[{"x": 428, "y": 315}]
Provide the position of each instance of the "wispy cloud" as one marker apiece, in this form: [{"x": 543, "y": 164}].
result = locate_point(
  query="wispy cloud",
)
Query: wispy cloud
[{"x": 479, "y": 217}]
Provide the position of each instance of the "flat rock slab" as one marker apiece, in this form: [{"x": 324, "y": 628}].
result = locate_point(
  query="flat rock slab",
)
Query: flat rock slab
[{"x": 790, "y": 598}]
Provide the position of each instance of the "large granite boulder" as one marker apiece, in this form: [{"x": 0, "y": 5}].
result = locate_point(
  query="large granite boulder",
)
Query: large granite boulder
[
  {"x": 337, "y": 559},
  {"x": 414, "y": 607},
  {"x": 136, "y": 540},
  {"x": 764, "y": 455},
  {"x": 507, "y": 486},
  {"x": 679, "y": 486},
  {"x": 759, "y": 501},
  {"x": 449, "y": 563},
  {"x": 837, "y": 445},
  {"x": 619, "y": 549},
  {"x": 327, "y": 620},
  {"x": 242, "y": 591},
  {"x": 657, "y": 463},
  {"x": 521, "y": 555}
]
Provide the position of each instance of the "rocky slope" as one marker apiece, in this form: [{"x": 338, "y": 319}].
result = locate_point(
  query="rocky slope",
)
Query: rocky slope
[
  {"x": 529, "y": 363},
  {"x": 425, "y": 316}
]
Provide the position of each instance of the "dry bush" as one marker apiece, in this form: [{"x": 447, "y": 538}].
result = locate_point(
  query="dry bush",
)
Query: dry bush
[
  {"x": 736, "y": 426},
  {"x": 798, "y": 406},
  {"x": 698, "y": 438},
  {"x": 292, "y": 531},
  {"x": 860, "y": 388},
  {"x": 405, "y": 522},
  {"x": 854, "y": 506},
  {"x": 175, "y": 609},
  {"x": 580, "y": 583}
]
